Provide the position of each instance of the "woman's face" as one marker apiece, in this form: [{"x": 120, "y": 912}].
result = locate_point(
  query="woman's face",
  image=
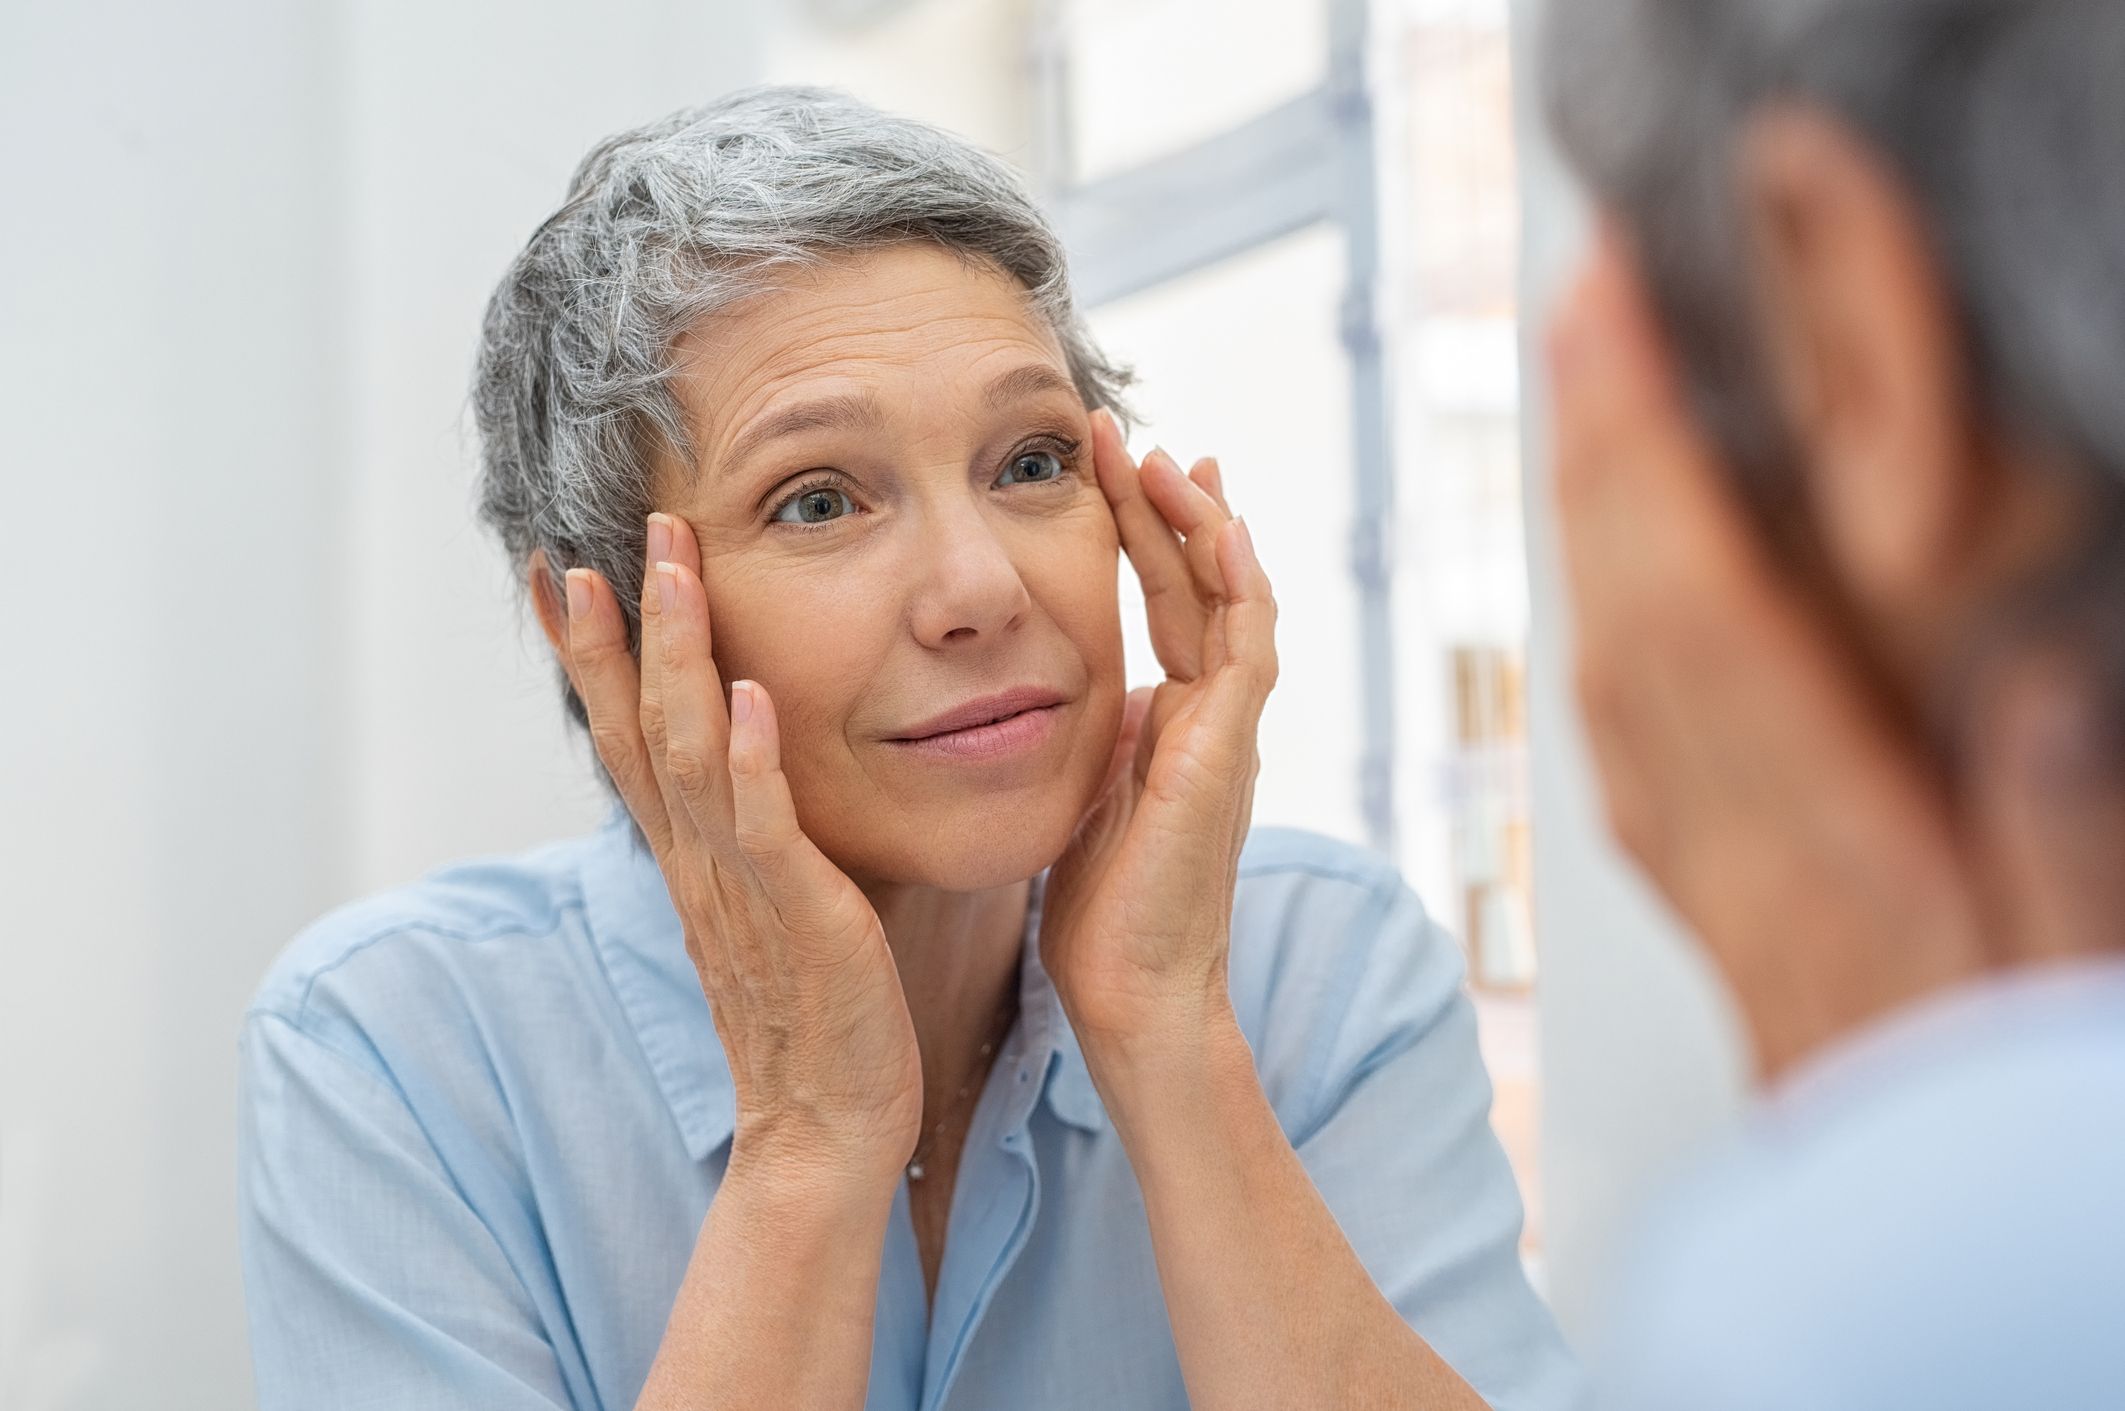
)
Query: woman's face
[{"x": 898, "y": 517}]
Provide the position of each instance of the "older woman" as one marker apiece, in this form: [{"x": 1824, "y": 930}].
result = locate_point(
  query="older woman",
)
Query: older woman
[
  {"x": 917, "y": 1030},
  {"x": 1841, "y": 478}
]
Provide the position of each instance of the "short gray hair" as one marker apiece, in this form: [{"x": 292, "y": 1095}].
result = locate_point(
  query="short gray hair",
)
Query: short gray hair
[
  {"x": 665, "y": 225},
  {"x": 2004, "y": 118}
]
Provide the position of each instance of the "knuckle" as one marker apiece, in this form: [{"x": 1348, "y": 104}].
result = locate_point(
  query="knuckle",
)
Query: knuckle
[
  {"x": 746, "y": 764},
  {"x": 728, "y": 885},
  {"x": 687, "y": 762},
  {"x": 614, "y": 744},
  {"x": 690, "y": 898},
  {"x": 760, "y": 841},
  {"x": 589, "y": 652},
  {"x": 651, "y": 715}
]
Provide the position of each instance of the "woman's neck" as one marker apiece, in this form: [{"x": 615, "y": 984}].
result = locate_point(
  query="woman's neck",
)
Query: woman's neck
[{"x": 958, "y": 957}]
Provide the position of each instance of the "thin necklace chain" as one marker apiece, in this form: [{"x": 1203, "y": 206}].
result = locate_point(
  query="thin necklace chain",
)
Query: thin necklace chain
[{"x": 916, "y": 1168}]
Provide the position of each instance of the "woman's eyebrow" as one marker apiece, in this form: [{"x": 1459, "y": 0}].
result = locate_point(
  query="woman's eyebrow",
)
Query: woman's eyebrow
[
  {"x": 859, "y": 411},
  {"x": 1026, "y": 381},
  {"x": 844, "y": 411}
]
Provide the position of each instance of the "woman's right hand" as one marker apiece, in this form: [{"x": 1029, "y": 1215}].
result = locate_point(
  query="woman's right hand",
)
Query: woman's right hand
[{"x": 792, "y": 957}]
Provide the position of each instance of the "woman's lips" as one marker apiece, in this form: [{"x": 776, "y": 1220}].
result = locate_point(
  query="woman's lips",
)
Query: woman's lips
[{"x": 1002, "y": 739}]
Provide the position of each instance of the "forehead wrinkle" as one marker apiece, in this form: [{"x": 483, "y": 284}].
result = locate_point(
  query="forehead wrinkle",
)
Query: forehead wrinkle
[
  {"x": 815, "y": 337},
  {"x": 839, "y": 411},
  {"x": 862, "y": 410}
]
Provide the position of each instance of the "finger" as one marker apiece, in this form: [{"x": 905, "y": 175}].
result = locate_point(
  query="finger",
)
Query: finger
[
  {"x": 654, "y": 708},
  {"x": 1623, "y": 427},
  {"x": 1175, "y": 612},
  {"x": 602, "y": 669},
  {"x": 2051, "y": 809},
  {"x": 1232, "y": 706},
  {"x": 1250, "y": 614},
  {"x": 1211, "y": 477},
  {"x": 1167, "y": 699},
  {"x": 794, "y": 875},
  {"x": 1114, "y": 801},
  {"x": 1190, "y": 511},
  {"x": 1136, "y": 709},
  {"x": 685, "y": 549},
  {"x": 1643, "y": 501},
  {"x": 696, "y": 725},
  {"x": 1596, "y": 405}
]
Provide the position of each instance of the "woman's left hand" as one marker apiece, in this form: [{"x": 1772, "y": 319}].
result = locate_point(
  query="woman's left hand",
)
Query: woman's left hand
[
  {"x": 1270, "y": 1305},
  {"x": 1136, "y": 919}
]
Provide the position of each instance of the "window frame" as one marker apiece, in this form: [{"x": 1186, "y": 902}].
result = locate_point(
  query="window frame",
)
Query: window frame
[{"x": 1310, "y": 160}]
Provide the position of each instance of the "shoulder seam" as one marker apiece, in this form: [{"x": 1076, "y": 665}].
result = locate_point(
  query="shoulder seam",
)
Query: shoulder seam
[
  {"x": 405, "y": 925},
  {"x": 1367, "y": 870}
]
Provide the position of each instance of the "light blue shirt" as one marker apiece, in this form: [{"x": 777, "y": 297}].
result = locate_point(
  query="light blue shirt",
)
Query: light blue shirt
[
  {"x": 484, "y": 1115},
  {"x": 1932, "y": 1218}
]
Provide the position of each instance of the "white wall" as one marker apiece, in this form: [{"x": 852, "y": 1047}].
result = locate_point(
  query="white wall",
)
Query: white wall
[
  {"x": 259, "y": 658},
  {"x": 170, "y": 466},
  {"x": 1639, "y": 1055},
  {"x": 463, "y": 121}
]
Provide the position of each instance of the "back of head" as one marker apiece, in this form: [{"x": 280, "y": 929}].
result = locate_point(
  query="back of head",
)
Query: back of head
[{"x": 2004, "y": 120}]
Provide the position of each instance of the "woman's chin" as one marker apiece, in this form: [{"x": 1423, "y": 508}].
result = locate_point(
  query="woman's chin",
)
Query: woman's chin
[
  {"x": 985, "y": 848},
  {"x": 976, "y": 874}
]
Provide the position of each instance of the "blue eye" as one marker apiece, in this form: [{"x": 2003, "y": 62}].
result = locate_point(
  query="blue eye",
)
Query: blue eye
[
  {"x": 1033, "y": 468},
  {"x": 818, "y": 504}
]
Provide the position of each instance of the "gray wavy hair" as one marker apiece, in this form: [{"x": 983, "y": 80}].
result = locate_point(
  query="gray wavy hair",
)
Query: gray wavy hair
[
  {"x": 2004, "y": 119},
  {"x": 667, "y": 224}
]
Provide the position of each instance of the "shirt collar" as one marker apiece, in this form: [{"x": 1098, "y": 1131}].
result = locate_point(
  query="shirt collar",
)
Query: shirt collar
[
  {"x": 639, "y": 941},
  {"x": 1967, "y": 1023}
]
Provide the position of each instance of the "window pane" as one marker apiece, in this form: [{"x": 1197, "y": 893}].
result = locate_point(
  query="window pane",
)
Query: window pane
[
  {"x": 1150, "y": 77},
  {"x": 1451, "y": 243},
  {"x": 1242, "y": 361}
]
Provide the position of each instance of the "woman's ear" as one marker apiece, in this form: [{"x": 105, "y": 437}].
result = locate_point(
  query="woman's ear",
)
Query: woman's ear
[
  {"x": 1866, "y": 352},
  {"x": 547, "y": 601}
]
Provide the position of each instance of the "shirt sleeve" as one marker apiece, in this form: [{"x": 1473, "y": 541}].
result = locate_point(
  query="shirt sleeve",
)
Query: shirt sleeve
[
  {"x": 1400, "y": 1146},
  {"x": 370, "y": 1280}
]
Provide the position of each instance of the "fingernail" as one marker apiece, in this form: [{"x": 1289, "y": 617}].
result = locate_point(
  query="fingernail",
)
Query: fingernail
[
  {"x": 667, "y": 586},
  {"x": 578, "y": 595},
  {"x": 1246, "y": 536},
  {"x": 741, "y": 702},
  {"x": 659, "y": 538}
]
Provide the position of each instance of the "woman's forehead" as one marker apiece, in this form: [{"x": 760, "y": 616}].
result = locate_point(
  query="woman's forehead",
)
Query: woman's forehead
[
  {"x": 905, "y": 300},
  {"x": 908, "y": 322}
]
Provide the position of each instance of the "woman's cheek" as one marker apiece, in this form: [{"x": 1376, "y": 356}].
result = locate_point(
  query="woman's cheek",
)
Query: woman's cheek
[
  {"x": 786, "y": 627},
  {"x": 1088, "y": 568}
]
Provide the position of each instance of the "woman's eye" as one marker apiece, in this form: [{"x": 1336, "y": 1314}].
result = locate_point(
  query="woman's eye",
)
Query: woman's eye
[
  {"x": 1032, "y": 467},
  {"x": 815, "y": 506}
]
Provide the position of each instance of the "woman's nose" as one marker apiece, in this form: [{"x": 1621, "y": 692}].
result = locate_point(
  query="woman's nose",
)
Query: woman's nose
[{"x": 968, "y": 586}]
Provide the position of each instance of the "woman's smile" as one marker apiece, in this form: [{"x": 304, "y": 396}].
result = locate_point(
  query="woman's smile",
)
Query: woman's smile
[{"x": 1016, "y": 735}]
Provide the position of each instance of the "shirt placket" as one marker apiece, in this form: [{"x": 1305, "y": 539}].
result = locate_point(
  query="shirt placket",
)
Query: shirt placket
[{"x": 994, "y": 1204}]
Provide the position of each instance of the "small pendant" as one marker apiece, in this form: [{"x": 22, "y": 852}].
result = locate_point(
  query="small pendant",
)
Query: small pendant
[{"x": 915, "y": 1170}]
